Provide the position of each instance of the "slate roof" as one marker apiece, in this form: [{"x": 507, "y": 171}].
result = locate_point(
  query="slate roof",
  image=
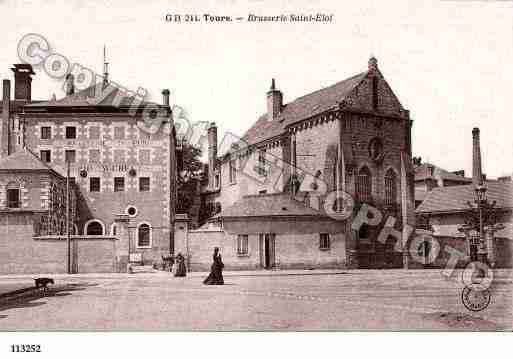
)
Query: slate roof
[
  {"x": 454, "y": 198},
  {"x": 24, "y": 160},
  {"x": 423, "y": 172},
  {"x": 302, "y": 108},
  {"x": 90, "y": 96},
  {"x": 274, "y": 205}
]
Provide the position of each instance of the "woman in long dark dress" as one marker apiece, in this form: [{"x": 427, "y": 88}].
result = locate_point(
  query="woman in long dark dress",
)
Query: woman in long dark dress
[
  {"x": 181, "y": 270},
  {"x": 216, "y": 271}
]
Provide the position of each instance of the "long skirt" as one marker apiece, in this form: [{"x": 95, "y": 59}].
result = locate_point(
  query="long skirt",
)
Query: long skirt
[
  {"x": 215, "y": 277},
  {"x": 181, "y": 270}
]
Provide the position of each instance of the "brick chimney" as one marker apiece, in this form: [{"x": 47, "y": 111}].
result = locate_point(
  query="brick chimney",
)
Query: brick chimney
[
  {"x": 69, "y": 84},
  {"x": 477, "y": 171},
  {"x": 4, "y": 125},
  {"x": 23, "y": 81},
  {"x": 274, "y": 102},
  {"x": 212, "y": 153},
  {"x": 165, "y": 97}
]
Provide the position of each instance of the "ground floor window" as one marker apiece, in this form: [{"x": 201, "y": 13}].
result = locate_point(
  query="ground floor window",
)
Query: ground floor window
[
  {"x": 144, "y": 235},
  {"x": 242, "y": 244},
  {"x": 324, "y": 241},
  {"x": 94, "y": 228},
  {"x": 13, "y": 196}
]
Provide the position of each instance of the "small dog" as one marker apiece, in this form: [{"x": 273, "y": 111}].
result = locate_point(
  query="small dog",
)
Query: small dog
[{"x": 42, "y": 283}]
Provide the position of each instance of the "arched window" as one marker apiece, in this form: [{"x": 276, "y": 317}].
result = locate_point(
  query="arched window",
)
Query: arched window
[
  {"x": 390, "y": 187},
  {"x": 94, "y": 228},
  {"x": 13, "y": 195},
  {"x": 144, "y": 235},
  {"x": 364, "y": 185}
]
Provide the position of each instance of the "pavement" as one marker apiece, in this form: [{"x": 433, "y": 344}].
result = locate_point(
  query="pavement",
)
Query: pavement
[{"x": 257, "y": 300}]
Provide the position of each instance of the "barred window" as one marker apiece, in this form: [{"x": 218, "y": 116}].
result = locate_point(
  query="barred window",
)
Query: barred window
[
  {"x": 364, "y": 185},
  {"x": 94, "y": 132},
  {"x": 324, "y": 241},
  {"x": 390, "y": 187},
  {"x": 242, "y": 244},
  {"x": 13, "y": 195}
]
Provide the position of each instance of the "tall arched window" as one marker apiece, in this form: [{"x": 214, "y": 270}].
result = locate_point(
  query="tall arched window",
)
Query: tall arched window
[
  {"x": 390, "y": 187},
  {"x": 94, "y": 228},
  {"x": 144, "y": 235},
  {"x": 364, "y": 185},
  {"x": 13, "y": 195}
]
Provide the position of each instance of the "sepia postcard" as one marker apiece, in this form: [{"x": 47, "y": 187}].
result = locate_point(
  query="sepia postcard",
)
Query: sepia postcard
[{"x": 254, "y": 166}]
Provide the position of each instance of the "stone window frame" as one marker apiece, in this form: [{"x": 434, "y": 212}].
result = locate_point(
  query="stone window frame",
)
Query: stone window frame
[
  {"x": 99, "y": 155},
  {"x": 70, "y": 150},
  {"x": 113, "y": 229},
  {"x": 10, "y": 186},
  {"x": 150, "y": 244},
  {"x": 324, "y": 241},
  {"x": 99, "y": 184},
  {"x": 86, "y": 225},
  {"x": 149, "y": 184},
  {"x": 391, "y": 199},
  {"x": 123, "y": 184},
  {"x": 242, "y": 245},
  {"x": 49, "y": 128},
  {"x": 66, "y": 127},
  {"x": 46, "y": 150}
]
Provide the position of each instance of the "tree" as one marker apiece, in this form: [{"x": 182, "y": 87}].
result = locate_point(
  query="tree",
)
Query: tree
[{"x": 190, "y": 174}]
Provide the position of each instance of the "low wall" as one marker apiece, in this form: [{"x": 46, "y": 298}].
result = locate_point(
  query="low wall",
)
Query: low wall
[{"x": 20, "y": 252}]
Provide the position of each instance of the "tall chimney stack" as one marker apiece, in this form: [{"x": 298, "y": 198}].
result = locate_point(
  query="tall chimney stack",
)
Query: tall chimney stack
[
  {"x": 274, "y": 102},
  {"x": 212, "y": 153},
  {"x": 165, "y": 97},
  {"x": 23, "y": 81},
  {"x": 477, "y": 171},
  {"x": 4, "y": 125}
]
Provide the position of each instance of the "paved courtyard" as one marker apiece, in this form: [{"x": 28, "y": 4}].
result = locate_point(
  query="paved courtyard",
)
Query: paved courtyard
[{"x": 305, "y": 300}]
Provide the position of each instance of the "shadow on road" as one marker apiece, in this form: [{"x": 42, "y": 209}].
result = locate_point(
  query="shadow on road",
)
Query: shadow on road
[{"x": 26, "y": 299}]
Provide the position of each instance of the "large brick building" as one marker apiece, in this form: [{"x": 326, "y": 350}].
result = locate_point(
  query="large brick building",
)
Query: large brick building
[
  {"x": 353, "y": 136},
  {"x": 117, "y": 164}
]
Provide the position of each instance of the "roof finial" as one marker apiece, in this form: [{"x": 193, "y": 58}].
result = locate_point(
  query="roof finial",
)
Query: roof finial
[
  {"x": 105, "y": 66},
  {"x": 373, "y": 63}
]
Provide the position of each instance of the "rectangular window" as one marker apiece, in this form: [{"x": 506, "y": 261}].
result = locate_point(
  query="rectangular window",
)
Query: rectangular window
[
  {"x": 94, "y": 132},
  {"x": 217, "y": 180},
  {"x": 94, "y": 184},
  {"x": 13, "y": 198},
  {"x": 94, "y": 155},
  {"x": 144, "y": 184},
  {"x": 324, "y": 241},
  {"x": 119, "y": 133},
  {"x": 233, "y": 171},
  {"x": 46, "y": 133},
  {"x": 70, "y": 156},
  {"x": 46, "y": 156},
  {"x": 261, "y": 170},
  {"x": 242, "y": 244},
  {"x": 119, "y": 184},
  {"x": 71, "y": 132}
]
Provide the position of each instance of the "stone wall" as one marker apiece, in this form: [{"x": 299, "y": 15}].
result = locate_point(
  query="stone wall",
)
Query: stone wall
[{"x": 20, "y": 252}]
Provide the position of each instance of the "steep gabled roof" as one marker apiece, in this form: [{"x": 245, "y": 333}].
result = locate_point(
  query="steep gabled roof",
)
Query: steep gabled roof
[
  {"x": 24, "y": 160},
  {"x": 455, "y": 198},
  {"x": 302, "y": 108},
  {"x": 270, "y": 205},
  {"x": 430, "y": 171}
]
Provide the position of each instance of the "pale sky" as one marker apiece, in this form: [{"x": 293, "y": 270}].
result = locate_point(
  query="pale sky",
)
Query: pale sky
[{"x": 449, "y": 62}]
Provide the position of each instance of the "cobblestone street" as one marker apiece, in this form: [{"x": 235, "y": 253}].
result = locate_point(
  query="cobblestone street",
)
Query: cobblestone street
[{"x": 305, "y": 300}]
